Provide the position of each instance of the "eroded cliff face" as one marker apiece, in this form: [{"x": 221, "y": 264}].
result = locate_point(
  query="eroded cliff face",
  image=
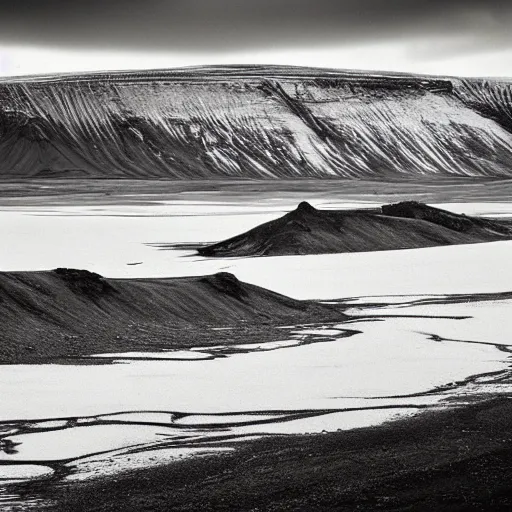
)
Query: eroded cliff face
[{"x": 254, "y": 122}]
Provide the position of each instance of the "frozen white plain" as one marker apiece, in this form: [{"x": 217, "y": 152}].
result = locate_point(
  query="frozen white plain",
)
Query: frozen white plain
[
  {"x": 329, "y": 375},
  {"x": 94, "y": 240},
  {"x": 389, "y": 360}
]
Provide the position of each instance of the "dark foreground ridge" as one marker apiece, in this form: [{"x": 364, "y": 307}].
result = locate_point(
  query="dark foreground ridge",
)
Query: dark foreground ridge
[
  {"x": 457, "y": 460},
  {"x": 406, "y": 225},
  {"x": 68, "y": 312}
]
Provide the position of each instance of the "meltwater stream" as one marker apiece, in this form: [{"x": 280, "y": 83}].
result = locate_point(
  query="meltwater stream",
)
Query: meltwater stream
[{"x": 79, "y": 421}]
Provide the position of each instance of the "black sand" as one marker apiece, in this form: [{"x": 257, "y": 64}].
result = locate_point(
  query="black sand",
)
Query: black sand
[{"x": 453, "y": 460}]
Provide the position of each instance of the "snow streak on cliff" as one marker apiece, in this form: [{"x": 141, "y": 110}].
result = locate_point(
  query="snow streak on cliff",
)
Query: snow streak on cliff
[{"x": 254, "y": 122}]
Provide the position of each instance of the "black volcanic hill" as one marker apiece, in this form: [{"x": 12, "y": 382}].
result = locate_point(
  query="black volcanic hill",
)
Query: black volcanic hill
[
  {"x": 406, "y": 225},
  {"x": 259, "y": 122},
  {"x": 71, "y": 312}
]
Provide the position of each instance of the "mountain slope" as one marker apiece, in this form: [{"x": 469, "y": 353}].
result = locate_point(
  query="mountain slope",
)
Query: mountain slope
[
  {"x": 70, "y": 312},
  {"x": 407, "y": 225},
  {"x": 254, "y": 122}
]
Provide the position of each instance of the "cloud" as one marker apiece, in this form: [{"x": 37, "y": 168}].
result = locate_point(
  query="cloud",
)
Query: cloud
[{"x": 211, "y": 26}]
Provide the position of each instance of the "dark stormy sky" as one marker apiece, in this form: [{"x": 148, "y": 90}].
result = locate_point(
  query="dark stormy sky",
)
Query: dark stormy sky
[{"x": 433, "y": 36}]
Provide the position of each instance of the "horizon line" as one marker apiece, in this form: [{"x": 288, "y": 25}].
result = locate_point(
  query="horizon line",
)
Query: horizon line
[{"x": 214, "y": 71}]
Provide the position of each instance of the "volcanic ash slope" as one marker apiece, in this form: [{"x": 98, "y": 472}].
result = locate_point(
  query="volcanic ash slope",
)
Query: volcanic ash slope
[
  {"x": 75, "y": 312},
  {"x": 406, "y": 225}
]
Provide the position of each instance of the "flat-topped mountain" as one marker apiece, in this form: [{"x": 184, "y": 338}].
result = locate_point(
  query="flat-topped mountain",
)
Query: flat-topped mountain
[
  {"x": 72, "y": 312},
  {"x": 406, "y": 225},
  {"x": 254, "y": 122}
]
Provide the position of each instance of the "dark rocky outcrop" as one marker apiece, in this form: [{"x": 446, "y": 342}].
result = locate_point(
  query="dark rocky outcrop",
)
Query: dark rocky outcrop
[
  {"x": 84, "y": 282},
  {"x": 406, "y": 225},
  {"x": 455, "y": 222},
  {"x": 68, "y": 312}
]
